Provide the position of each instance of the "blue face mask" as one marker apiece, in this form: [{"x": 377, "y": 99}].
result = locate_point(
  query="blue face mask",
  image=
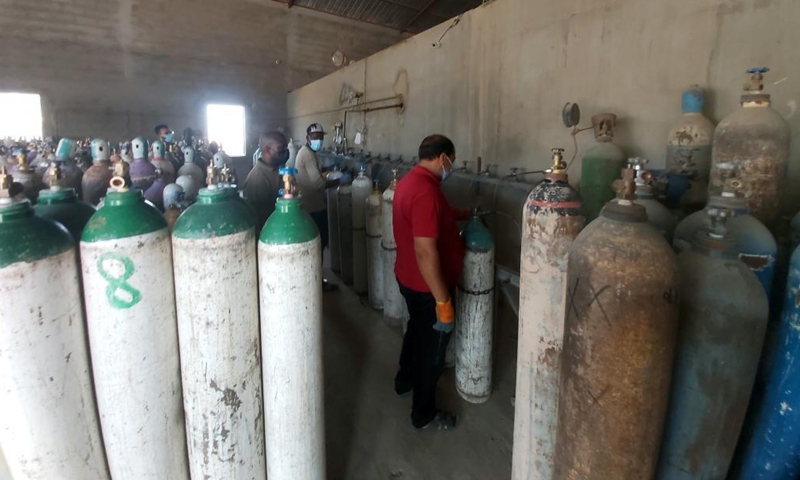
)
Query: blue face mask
[
  {"x": 168, "y": 137},
  {"x": 445, "y": 172},
  {"x": 316, "y": 145}
]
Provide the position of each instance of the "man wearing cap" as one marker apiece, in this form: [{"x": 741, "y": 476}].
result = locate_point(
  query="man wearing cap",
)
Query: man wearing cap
[
  {"x": 430, "y": 256},
  {"x": 312, "y": 184},
  {"x": 264, "y": 181}
]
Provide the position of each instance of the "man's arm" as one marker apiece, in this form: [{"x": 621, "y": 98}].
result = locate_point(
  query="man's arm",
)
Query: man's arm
[{"x": 430, "y": 267}]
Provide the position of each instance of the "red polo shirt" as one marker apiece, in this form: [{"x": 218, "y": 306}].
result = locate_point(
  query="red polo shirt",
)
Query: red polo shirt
[{"x": 421, "y": 210}]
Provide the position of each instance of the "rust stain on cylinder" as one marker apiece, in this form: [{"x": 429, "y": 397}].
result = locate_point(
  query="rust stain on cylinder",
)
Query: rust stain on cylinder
[{"x": 619, "y": 344}]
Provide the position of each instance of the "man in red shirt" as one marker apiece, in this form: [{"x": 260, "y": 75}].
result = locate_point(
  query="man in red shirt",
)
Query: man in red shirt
[{"x": 430, "y": 256}]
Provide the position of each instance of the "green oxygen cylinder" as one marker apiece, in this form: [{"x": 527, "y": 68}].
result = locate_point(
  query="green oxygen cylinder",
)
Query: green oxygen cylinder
[
  {"x": 61, "y": 204},
  {"x": 601, "y": 165}
]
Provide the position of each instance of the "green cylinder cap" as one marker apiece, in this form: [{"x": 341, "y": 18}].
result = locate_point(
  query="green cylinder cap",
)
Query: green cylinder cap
[
  {"x": 289, "y": 224},
  {"x": 476, "y": 236},
  {"x": 124, "y": 214},
  {"x": 215, "y": 214},
  {"x": 27, "y": 238}
]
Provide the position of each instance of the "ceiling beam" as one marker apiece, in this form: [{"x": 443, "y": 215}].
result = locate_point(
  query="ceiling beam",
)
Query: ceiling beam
[{"x": 419, "y": 13}]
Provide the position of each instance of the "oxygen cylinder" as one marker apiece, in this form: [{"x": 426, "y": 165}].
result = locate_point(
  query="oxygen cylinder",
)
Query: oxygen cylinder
[
  {"x": 333, "y": 223},
  {"x": 374, "y": 260},
  {"x": 601, "y": 165},
  {"x": 214, "y": 241},
  {"x": 95, "y": 181},
  {"x": 689, "y": 148},
  {"x": 143, "y": 173},
  {"x": 130, "y": 301},
  {"x": 25, "y": 176},
  {"x": 190, "y": 187},
  {"x": 190, "y": 167},
  {"x": 161, "y": 163},
  {"x": 49, "y": 427},
  {"x": 72, "y": 173},
  {"x": 362, "y": 187},
  {"x": 344, "y": 200},
  {"x": 756, "y": 140},
  {"x": 62, "y": 205},
  {"x": 755, "y": 244},
  {"x": 724, "y": 314},
  {"x": 795, "y": 231},
  {"x": 657, "y": 214},
  {"x": 395, "y": 310},
  {"x": 290, "y": 286},
  {"x": 620, "y": 333},
  {"x": 173, "y": 203},
  {"x": 772, "y": 450},
  {"x": 219, "y": 160},
  {"x": 155, "y": 194},
  {"x": 475, "y": 315},
  {"x": 551, "y": 220}
]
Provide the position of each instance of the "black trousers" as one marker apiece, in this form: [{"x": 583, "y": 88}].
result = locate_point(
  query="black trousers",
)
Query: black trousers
[{"x": 422, "y": 356}]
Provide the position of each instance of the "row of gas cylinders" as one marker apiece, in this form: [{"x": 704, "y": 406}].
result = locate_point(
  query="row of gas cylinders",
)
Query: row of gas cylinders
[
  {"x": 636, "y": 363},
  {"x": 117, "y": 366},
  {"x": 363, "y": 253},
  {"x": 170, "y": 182},
  {"x": 754, "y": 140}
]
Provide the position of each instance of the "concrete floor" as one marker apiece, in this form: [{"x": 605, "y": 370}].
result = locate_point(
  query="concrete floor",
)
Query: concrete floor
[{"x": 368, "y": 428}]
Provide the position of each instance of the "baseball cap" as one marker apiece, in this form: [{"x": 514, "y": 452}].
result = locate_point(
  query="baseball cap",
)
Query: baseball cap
[{"x": 314, "y": 128}]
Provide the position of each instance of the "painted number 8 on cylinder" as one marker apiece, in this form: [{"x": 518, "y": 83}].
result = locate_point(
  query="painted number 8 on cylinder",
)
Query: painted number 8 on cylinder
[{"x": 116, "y": 269}]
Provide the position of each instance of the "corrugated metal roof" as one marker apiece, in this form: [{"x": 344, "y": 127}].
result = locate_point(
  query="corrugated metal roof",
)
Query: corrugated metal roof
[{"x": 411, "y": 16}]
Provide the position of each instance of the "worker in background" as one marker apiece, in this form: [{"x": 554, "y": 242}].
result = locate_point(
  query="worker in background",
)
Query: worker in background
[
  {"x": 312, "y": 185},
  {"x": 430, "y": 256},
  {"x": 264, "y": 181},
  {"x": 166, "y": 135}
]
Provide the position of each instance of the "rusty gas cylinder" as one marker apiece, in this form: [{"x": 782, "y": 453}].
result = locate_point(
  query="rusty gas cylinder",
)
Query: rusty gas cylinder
[
  {"x": 756, "y": 140},
  {"x": 620, "y": 334}
]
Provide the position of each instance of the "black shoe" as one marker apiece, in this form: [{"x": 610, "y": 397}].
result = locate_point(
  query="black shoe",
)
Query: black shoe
[
  {"x": 402, "y": 391},
  {"x": 441, "y": 421}
]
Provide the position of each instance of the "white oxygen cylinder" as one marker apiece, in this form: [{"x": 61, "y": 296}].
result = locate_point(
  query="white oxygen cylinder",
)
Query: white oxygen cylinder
[
  {"x": 130, "y": 305},
  {"x": 475, "y": 315},
  {"x": 48, "y": 419},
  {"x": 290, "y": 286},
  {"x": 374, "y": 252},
  {"x": 214, "y": 250},
  {"x": 362, "y": 187},
  {"x": 395, "y": 310},
  {"x": 191, "y": 169},
  {"x": 551, "y": 220}
]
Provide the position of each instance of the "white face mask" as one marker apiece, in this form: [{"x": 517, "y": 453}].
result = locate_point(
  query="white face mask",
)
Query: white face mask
[{"x": 445, "y": 172}]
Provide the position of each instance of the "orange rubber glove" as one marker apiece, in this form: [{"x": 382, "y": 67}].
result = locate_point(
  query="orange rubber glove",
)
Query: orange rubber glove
[{"x": 445, "y": 316}]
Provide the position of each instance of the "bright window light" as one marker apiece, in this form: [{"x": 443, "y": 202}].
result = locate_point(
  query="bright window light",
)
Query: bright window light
[
  {"x": 226, "y": 127},
  {"x": 22, "y": 115}
]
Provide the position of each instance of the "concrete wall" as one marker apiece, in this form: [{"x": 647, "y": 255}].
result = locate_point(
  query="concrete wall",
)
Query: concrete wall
[
  {"x": 115, "y": 68},
  {"x": 501, "y": 77}
]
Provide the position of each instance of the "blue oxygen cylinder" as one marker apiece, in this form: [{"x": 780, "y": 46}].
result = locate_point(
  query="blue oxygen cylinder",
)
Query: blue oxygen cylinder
[{"x": 772, "y": 450}]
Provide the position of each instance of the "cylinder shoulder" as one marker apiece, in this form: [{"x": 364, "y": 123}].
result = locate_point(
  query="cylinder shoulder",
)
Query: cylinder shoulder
[
  {"x": 201, "y": 221},
  {"x": 31, "y": 239},
  {"x": 113, "y": 222}
]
